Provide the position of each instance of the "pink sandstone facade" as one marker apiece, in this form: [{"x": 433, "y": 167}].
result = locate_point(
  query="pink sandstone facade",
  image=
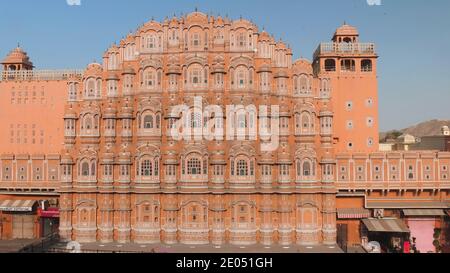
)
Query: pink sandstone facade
[{"x": 106, "y": 148}]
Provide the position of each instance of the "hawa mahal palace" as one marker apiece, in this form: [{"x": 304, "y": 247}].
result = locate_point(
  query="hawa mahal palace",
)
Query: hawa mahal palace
[{"x": 92, "y": 153}]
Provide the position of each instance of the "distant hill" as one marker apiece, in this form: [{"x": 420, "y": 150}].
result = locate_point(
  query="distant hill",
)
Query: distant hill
[{"x": 427, "y": 128}]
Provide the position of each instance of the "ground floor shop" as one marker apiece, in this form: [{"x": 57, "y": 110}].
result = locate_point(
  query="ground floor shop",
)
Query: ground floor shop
[
  {"x": 27, "y": 219},
  {"x": 426, "y": 227},
  {"x": 391, "y": 234}
]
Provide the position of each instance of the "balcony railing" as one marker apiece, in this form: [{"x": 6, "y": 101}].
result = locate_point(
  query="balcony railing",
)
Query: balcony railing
[
  {"x": 393, "y": 185},
  {"x": 345, "y": 48},
  {"x": 39, "y": 75}
]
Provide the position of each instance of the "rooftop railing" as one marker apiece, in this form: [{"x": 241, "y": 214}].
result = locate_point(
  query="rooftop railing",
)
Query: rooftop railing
[
  {"x": 345, "y": 48},
  {"x": 39, "y": 75}
]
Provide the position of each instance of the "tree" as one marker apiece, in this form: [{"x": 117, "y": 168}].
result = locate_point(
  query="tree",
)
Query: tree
[{"x": 437, "y": 241}]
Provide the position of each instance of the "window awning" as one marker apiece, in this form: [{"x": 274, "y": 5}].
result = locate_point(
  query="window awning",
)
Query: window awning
[
  {"x": 353, "y": 213},
  {"x": 385, "y": 225},
  {"x": 17, "y": 205},
  {"x": 423, "y": 212}
]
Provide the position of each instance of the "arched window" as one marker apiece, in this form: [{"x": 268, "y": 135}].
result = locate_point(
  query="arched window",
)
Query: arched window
[
  {"x": 195, "y": 120},
  {"x": 148, "y": 121},
  {"x": 347, "y": 40},
  {"x": 241, "y": 75},
  {"x": 151, "y": 42},
  {"x": 307, "y": 168},
  {"x": 242, "y": 168},
  {"x": 146, "y": 168},
  {"x": 72, "y": 91},
  {"x": 242, "y": 40},
  {"x": 195, "y": 40},
  {"x": 88, "y": 123},
  {"x": 299, "y": 168},
  {"x": 306, "y": 123},
  {"x": 304, "y": 84},
  {"x": 194, "y": 166},
  {"x": 149, "y": 78},
  {"x": 85, "y": 169},
  {"x": 195, "y": 75},
  {"x": 90, "y": 88},
  {"x": 93, "y": 169},
  {"x": 324, "y": 88},
  {"x": 366, "y": 65},
  {"x": 242, "y": 121},
  {"x": 99, "y": 88},
  {"x": 96, "y": 122},
  {"x": 348, "y": 65},
  {"x": 330, "y": 65}
]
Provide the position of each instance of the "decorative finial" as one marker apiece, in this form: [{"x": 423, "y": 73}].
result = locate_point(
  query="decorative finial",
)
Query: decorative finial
[
  {"x": 196, "y": 9},
  {"x": 18, "y": 44}
]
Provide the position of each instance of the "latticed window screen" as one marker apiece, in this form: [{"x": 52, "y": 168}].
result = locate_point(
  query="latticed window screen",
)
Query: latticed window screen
[
  {"x": 242, "y": 168},
  {"x": 194, "y": 166},
  {"x": 146, "y": 168}
]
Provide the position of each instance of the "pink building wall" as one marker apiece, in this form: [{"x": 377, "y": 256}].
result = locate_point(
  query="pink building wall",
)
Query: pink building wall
[{"x": 423, "y": 229}]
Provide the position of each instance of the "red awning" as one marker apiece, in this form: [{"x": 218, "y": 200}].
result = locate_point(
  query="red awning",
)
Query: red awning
[
  {"x": 353, "y": 213},
  {"x": 49, "y": 213}
]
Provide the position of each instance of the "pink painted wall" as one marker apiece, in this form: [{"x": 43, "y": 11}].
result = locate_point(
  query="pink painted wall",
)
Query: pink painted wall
[{"x": 423, "y": 229}]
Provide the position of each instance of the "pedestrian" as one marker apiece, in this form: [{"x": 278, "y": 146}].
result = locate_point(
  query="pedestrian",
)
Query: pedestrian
[{"x": 407, "y": 246}]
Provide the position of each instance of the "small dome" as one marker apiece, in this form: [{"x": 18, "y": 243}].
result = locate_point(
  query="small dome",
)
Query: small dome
[
  {"x": 17, "y": 56},
  {"x": 93, "y": 70},
  {"x": 346, "y": 30}
]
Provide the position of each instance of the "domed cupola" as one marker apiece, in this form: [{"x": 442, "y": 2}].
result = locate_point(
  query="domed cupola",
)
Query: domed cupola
[
  {"x": 17, "y": 59},
  {"x": 346, "y": 34}
]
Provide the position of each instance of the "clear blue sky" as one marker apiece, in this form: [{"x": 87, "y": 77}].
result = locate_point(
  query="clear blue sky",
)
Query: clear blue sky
[{"x": 412, "y": 36}]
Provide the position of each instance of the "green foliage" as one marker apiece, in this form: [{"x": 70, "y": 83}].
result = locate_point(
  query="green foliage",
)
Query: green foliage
[
  {"x": 392, "y": 135},
  {"x": 437, "y": 241}
]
